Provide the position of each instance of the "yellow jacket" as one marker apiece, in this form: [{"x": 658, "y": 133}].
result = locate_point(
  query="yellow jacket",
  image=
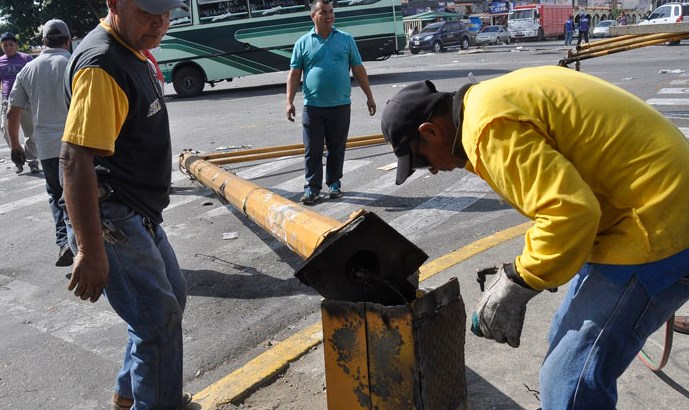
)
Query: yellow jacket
[{"x": 604, "y": 176}]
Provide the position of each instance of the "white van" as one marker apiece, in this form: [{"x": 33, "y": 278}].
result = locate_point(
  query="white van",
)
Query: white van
[{"x": 668, "y": 13}]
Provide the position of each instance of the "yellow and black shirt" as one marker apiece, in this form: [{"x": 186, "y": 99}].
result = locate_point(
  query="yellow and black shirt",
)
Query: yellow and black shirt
[{"x": 116, "y": 107}]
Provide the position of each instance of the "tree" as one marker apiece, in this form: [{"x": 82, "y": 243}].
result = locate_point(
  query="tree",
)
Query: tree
[{"x": 25, "y": 17}]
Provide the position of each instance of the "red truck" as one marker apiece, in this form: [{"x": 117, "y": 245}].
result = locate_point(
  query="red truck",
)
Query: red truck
[{"x": 538, "y": 21}]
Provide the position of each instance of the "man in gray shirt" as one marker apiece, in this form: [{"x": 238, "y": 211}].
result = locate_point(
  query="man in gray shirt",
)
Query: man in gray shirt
[{"x": 40, "y": 88}]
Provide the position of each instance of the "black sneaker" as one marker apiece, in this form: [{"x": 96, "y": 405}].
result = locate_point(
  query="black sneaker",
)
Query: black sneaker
[
  {"x": 18, "y": 169},
  {"x": 66, "y": 257},
  {"x": 335, "y": 190},
  {"x": 309, "y": 197}
]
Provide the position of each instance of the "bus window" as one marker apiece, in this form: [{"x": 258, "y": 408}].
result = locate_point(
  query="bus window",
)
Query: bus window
[
  {"x": 348, "y": 3},
  {"x": 179, "y": 17},
  {"x": 260, "y": 8},
  {"x": 211, "y": 11}
]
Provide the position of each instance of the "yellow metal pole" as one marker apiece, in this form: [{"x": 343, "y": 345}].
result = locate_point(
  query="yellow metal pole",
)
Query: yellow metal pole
[
  {"x": 268, "y": 153},
  {"x": 302, "y": 230},
  {"x": 617, "y": 45},
  {"x": 359, "y": 259},
  {"x": 279, "y": 148}
]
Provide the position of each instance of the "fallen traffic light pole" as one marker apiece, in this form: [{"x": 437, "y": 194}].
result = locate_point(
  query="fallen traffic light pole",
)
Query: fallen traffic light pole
[{"x": 387, "y": 345}]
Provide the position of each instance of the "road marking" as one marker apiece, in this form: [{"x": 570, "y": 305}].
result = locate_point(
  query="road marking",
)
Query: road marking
[
  {"x": 674, "y": 91},
  {"x": 668, "y": 101},
  {"x": 64, "y": 319},
  {"x": 436, "y": 210},
  {"x": 679, "y": 82},
  {"x": 242, "y": 381},
  {"x": 20, "y": 203}
]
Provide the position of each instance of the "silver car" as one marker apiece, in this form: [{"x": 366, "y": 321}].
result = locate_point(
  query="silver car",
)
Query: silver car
[{"x": 493, "y": 35}]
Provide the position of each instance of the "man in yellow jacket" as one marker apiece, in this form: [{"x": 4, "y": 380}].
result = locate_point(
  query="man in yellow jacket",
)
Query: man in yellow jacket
[{"x": 609, "y": 200}]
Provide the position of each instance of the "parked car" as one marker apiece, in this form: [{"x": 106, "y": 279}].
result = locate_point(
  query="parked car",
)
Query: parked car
[
  {"x": 602, "y": 29},
  {"x": 438, "y": 36},
  {"x": 668, "y": 13},
  {"x": 493, "y": 35}
]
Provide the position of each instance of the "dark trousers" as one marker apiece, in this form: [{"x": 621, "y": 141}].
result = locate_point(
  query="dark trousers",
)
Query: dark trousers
[
  {"x": 329, "y": 126},
  {"x": 584, "y": 35},
  {"x": 51, "y": 171}
]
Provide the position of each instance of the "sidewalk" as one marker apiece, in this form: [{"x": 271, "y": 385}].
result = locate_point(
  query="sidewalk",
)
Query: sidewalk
[{"x": 498, "y": 376}]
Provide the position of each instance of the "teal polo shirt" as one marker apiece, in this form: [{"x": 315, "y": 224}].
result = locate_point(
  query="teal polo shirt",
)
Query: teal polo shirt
[{"x": 326, "y": 64}]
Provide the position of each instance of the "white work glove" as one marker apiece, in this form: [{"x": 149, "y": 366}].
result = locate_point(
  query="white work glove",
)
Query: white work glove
[{"x": 500, "y": 313}]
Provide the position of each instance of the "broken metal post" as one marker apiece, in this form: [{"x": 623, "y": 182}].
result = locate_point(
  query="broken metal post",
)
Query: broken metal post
[{"x": 387, "y": 345}]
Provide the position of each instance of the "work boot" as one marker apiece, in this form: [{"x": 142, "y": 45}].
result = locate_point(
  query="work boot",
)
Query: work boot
[
  {"x": 681, "y": 324},
  {"x": 125, "y": 403},
  {"x": 335, "y": 190},
  {"x": 121, "y": 402},
  {"x": 66, "y": 257},
  {"x": 33, "y": 166}
]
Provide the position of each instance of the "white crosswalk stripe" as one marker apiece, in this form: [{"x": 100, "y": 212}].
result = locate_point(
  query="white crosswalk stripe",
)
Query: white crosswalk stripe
[{"x": 668, "y": 101}]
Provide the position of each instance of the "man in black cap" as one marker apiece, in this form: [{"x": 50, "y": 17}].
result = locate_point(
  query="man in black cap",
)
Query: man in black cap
[
  {"x": 11, "y": 63},
  {"x": 38, "y": 91},
  {"x": 118, "y": 121},
  {"x": 609, "y": 205}
]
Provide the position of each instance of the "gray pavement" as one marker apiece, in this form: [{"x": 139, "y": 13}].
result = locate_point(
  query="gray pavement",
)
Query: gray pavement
[{"x": 498, "y": 376}]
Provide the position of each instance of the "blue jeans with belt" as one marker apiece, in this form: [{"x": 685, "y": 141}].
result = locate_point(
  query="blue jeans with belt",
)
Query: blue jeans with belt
[
  {"x": 147, "y": 290},
  {"x": 329, "y": 126},
  {"x": 603, "y": 322}
]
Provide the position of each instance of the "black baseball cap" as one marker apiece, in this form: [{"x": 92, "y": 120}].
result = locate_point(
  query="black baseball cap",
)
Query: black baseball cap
[
  {"x": 405, "y": 112},
  {"x": 8, "y": 36}
]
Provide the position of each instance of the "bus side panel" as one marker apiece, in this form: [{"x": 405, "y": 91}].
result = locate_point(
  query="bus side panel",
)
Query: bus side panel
[{"x": 263, "y": 45}]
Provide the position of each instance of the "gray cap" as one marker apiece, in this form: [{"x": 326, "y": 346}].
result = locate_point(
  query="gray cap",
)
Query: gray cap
[
  {"x": 161, "y": 6},
  {"x": 55, "y": 28}
]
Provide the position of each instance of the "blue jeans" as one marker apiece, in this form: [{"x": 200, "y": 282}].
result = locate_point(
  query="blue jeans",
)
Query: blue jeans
[
  {"x": 568, "y": 37},
  {"x": 329, "y": 126},
  {"x": 601, "y": 325},
  {"x": 51, "y": 171},
  {"x": 147, "y": 290}
]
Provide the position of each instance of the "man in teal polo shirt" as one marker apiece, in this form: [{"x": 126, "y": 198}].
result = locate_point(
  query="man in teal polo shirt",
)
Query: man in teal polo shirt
[{"x": 325, "y": 56}]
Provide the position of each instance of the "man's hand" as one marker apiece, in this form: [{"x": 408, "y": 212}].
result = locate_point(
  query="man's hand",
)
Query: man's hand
[
  {"x": 18, "y": 156},
  {"x": 89, "y": 276},
  {"x": 371, "y": 104},
  {"x": 291, "y": 112},
  {"x": 500, "y": 313}
]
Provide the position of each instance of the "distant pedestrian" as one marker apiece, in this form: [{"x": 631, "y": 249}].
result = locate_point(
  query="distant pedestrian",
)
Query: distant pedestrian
[
  {"x": 11, "y": 63},
  {"x": 325, "y": 55},
  {"x": 39, "y": 91},
  {"x": 584, "y": 23},
  {"x": 569, "y": 31}
]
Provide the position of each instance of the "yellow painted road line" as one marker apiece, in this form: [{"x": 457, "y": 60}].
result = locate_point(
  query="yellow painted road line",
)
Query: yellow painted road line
[
  {"x": 239, "y": 383},
  {"x": 447, "y": 261},
  {"x": 235, "y": 385}
]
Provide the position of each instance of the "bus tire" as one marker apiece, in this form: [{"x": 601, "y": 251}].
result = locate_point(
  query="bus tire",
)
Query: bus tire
[{"x": 188, "y": 82}]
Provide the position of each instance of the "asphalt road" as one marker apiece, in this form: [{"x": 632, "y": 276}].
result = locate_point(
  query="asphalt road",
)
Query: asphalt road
[{"x": 60, "y": 352}]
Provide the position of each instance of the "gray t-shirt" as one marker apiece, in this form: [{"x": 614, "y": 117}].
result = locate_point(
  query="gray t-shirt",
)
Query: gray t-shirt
[{"x": 40, "y": 85}]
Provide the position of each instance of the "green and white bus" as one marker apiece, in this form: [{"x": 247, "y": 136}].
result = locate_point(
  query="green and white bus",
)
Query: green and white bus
[{"x": 218, "y": 40}]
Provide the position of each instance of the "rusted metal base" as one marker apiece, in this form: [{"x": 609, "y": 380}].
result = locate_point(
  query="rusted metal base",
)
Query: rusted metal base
[
  {"x": 407, "y": 356},
  {"x": 365, "y": 261}
]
